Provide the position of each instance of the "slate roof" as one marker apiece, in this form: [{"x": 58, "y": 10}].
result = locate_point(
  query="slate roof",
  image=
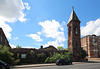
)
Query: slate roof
[{"x": 73, "y": 16}]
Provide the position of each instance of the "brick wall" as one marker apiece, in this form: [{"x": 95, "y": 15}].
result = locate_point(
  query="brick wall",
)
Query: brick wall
[
  {"x": 3, "y": 39},
  {"x": 91, "y": 43}
]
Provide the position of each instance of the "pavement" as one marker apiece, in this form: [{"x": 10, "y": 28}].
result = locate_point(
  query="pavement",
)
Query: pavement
[
  {"x": 53, "y": 64},
  {"x": 33, "y": 65},
  {"x": 40, "y": 65}
]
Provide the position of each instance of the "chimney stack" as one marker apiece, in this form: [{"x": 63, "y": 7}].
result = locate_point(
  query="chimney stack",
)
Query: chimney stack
[{"x": 41, "y": 47}]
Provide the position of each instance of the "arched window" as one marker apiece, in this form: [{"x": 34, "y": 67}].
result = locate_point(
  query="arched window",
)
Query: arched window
[
  {"x": 75, "y": 31},
  {"x": 69, "y": 31}
]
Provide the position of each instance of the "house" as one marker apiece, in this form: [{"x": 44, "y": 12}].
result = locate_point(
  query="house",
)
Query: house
[
  {"x": 25, "y": 53},
  {"x": 91, "y": 44},
  {"x": 3, "y": 39}
]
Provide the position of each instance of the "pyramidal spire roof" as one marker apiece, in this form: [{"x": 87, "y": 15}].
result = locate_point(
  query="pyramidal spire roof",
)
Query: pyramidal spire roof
[{"x": 73, "y": 16}]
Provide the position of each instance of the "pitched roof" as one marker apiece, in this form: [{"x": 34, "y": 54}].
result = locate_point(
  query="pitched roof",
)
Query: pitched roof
[{"x": 73, "y": 16}]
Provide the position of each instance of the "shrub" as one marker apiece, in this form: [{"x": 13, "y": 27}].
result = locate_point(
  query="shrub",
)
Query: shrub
[
  {"x": 47, "y": 60},
  {"x": 68, "y": 55},
  {"x": 17, "y": 61},
  {"x": 6, "y": 55},
  {"x": 84, "y": 54},
  {"x": 56, "y": 56},
  {"x": 41, "y": 57}
]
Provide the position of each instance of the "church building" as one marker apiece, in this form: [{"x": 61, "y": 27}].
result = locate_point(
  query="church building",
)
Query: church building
[{"x": 74, "y": 41}]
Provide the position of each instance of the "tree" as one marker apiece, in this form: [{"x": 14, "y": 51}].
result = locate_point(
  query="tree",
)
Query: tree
[
  {"x": 6, "y": 55},
  {"x": 18, "y": 46},
  {"x": 60, "y": 48},
  {"x": 84, "y": 54}
]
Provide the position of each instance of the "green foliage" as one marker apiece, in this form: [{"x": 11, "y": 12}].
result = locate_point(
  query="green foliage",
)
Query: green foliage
[
  {"x": 47, "y": 60},
  {"x": 41, "y": 57},
  {"x": 84, "y": 54},
  {"x": 50, "y": 54},
  {"x": 6, "y": 55},
  {"x": 60, "y": 48},
  {"x": 18, "y": 46},
  {"x": 17, "y": 61},
  {"x": 18, "y": 55},
  {"x": 32, "y": 52},
  {"x": 68, "y": 55},
  {"x": 25, "y": 60},
  {"x": 56, "y": 56}
]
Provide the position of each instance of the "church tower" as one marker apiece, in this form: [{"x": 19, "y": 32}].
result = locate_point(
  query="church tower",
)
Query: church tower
[{"x": 74, "y": 41}]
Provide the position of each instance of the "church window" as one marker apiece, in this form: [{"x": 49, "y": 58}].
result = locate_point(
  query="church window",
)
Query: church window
[
  {"x": 69, "y": 31},
  {"x": 75, "y": 31}
]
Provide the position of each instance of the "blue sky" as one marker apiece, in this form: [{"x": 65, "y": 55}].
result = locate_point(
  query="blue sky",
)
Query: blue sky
[{"x": 32, "y": 23}]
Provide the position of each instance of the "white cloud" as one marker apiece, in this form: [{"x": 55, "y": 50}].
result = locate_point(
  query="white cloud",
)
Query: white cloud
[
  {"x": 11, "y": 11},
  {"x": 63, "y": 23},
  {"x": 27, "y": 6},
  {"x": 16, "y": 38},
  {"x": 39, "y": 33},
  {"x": 54, "y": 43},
  {"x": 12, "y": 46},
  {"x": 6, "y": 28},
  {"x": 35, "y": 37},
  {"x": 92, "y": 27},
  {"x": 54, "y": 30},
  {"x": 29, "y": 47}
]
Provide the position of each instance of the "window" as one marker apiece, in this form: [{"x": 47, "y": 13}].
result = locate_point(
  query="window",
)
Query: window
[
  {"x": 94, "y": 41},
  {"x": 23, "y": 55},
  {"x": 95, "y": 53},
  {"x": 69, "y": 31},
  {"x": 98, "y": 41},
  {"x": 87, "y": 37},
  {"x": 93, "y": 37},
  {"x": 75, "y": 30},
  {"x": 1, "y": 38},
  {"x": 94, "y": 46},
  {"x": 5, "y": 41},
  {"x": 99, "y": 47}
]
